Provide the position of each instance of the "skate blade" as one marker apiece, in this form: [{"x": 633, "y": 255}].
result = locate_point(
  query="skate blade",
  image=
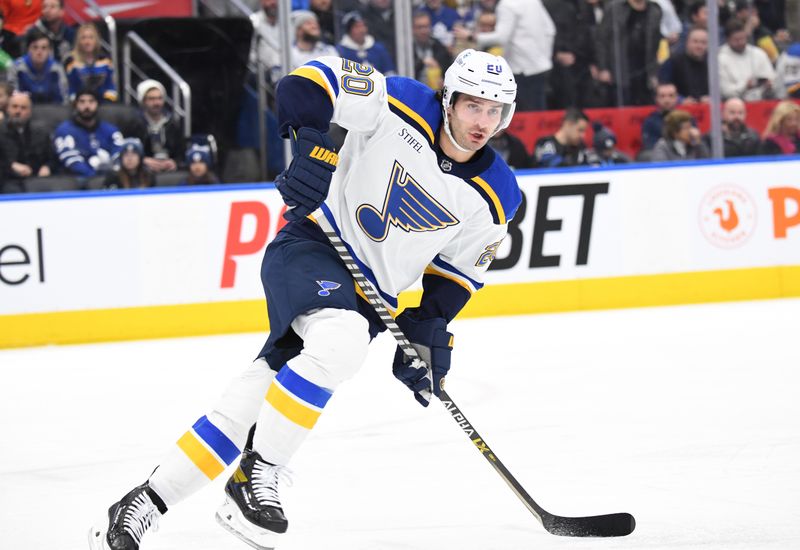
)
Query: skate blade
[
  {"x": 97, "y": 538},
  {"x": 232, "y": 520}
]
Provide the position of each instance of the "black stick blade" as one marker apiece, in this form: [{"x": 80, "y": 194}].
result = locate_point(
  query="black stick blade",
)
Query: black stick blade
[{"x": 609, "y": 525}]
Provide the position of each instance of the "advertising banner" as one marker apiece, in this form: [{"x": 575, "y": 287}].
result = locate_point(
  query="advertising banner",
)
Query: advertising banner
[{"x": 108, "y": 265}]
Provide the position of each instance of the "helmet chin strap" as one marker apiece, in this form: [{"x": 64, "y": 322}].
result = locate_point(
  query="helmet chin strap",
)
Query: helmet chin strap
[{"x": 450, "y": 135}]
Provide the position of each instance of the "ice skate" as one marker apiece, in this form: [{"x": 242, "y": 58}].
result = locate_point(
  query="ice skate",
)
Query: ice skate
[
  {"x": 128, "y": 521},
  {"x": 252, "y": 510}
]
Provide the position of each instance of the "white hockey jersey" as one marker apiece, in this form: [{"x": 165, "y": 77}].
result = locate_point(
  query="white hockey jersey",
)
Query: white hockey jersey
[{"x": 401, "y": 205}]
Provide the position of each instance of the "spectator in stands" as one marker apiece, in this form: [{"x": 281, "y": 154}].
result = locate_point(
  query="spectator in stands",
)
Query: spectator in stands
[
  {"x": 159, "y": 132},
  {"x": 88, "y": 68},
  {"x": 738, "y": 140},
  {"x": 199, "y": 161},
  {"x": 443, "y": 17},
  {"x": 360, "y": 46},
  {"x": 379, "y": 17},
  {"x": 689, "y": 70},
  {"x": 681, "y": 141},
  {"x": 7, "y": 73},
  {"x": 636, "y": 24},
  {"x": 323, "y": 9},
  {"x": 511, "y": 150},
  {"x": 25, "y": 148},
  {"x": 653, "y": 125},
  {"x": 266, "y": 46},
  {"x": 671, "y": 24},
  {"x": 526, "y": 33},
  {"x": 782, "y": 134},
  {"x": 19, "y": 16},
  {"x": 85, "y": 144},
  {"x": 757, "y": 34},
  {"x": 567, "y": 146},
  {"x": 308, "y": 44},
  {"x": 6, "y": 89},
  {"x": 605, "y": 149},
  {"x": 53, "y": 26},
  {"x": 39, "y": 74},
  {"x": 773, "y": 15},
  {"x": 571, "y": 80},
  {"x": 787, "y": 81},
  {"x": 744, "y": 70},
  {"x": 431, "y": 57},
  {"x": 129, "y": 169}
]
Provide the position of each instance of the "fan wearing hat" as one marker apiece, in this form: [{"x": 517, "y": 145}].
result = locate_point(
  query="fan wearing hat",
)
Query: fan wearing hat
[
  {"x": 85, "y": 144},
  {"x": 605, "y": 146},
  {"x": 308, "y": 44},
  {"x": 200, "y": 163},
  {"x": 130, "y": 171},
  {"x": 160, "y": 132},
  {"x": 360, "y": 46}
]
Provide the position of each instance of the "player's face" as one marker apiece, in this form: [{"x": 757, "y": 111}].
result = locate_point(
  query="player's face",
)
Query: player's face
[{"x": 473, "y": 121}]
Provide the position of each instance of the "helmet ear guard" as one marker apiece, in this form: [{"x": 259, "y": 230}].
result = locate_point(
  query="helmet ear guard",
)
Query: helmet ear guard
[{"x": 479, "y": 74}]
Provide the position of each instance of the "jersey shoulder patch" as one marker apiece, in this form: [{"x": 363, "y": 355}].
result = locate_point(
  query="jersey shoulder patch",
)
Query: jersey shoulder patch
[
  {"x": 416, "y": 104},
  {"x": 498, "y": 187}
]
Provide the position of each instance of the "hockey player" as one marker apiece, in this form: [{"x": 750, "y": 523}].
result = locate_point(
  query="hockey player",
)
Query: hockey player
[{"x": 415, "y": 190}]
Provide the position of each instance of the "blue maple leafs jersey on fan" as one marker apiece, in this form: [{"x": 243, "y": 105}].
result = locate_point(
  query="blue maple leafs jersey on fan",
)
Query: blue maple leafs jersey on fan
[{"x": 400, "y": 204}]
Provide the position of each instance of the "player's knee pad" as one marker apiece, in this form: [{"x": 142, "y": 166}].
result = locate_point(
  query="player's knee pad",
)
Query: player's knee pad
[
  {"x": 335, "y": 343},
  {"x": 237, "y": 409}
]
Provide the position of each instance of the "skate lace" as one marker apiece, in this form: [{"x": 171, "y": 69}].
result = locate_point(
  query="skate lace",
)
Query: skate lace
[
  {"x": 265, "y": 482},
  {"x": 140, "y": 516}
]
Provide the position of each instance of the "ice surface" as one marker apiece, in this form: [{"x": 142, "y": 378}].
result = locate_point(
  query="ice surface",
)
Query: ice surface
[{"x": 688, "y": 417}]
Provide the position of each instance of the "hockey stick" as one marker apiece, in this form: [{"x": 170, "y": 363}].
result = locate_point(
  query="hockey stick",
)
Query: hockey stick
[{"x": 608, "y": 525}]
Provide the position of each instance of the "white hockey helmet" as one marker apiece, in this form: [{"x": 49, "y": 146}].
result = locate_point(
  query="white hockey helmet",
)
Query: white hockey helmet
[{"x": 483, "y": 75}]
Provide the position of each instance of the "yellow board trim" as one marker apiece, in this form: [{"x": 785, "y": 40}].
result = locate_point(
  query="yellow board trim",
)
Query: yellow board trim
[
  {"x": 74, "y": 327},
  {"x": 315, "y": 76},
  {"x": 501, "y": 213},
  {"x": 200, "y": 456},
  {"x": 414, "y": 116},
  {"x": 291, "y": 409}
]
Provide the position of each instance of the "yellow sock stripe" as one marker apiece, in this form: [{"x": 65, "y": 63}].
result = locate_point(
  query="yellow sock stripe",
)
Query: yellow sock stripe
[
  {"x": 202, "y": 457},
  {"x": 293, "y": 410}
]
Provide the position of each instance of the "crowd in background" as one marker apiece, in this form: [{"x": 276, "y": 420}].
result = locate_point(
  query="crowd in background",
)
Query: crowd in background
[{"x": 566, "y": 55}]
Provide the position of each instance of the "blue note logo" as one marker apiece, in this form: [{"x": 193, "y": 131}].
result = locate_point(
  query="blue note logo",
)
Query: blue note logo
[
  {"x": 406, "y": 205},
  {"x": 327, "y": 286}
]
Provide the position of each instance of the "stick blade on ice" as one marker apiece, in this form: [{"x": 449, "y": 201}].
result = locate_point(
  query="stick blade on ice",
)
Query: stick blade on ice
[{"x": 608, "y": 525}]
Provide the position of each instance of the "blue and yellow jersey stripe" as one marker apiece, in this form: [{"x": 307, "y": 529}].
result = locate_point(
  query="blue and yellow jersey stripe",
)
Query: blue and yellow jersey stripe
[
  {"x": 321, "y": 75},
  {"x": 498, "y": 187},
  {"x": 443, "y": 269},
  {"x": 416, "y": 104}
]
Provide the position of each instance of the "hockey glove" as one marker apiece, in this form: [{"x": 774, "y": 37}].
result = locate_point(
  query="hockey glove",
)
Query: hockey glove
[
  {"x": 304, "y": 185},
  {"x": 433, "y": 344}
]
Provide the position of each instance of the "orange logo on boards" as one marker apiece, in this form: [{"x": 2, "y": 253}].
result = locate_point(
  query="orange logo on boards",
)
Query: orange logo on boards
[
  {"x": 727, "y": 216},
  {"x": 728, "y": 221}
]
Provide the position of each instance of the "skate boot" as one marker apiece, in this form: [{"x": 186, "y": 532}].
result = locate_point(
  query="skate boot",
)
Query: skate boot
[
  {"x": 252, "y": 510},
  {"x": 128, "y": 521}
]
